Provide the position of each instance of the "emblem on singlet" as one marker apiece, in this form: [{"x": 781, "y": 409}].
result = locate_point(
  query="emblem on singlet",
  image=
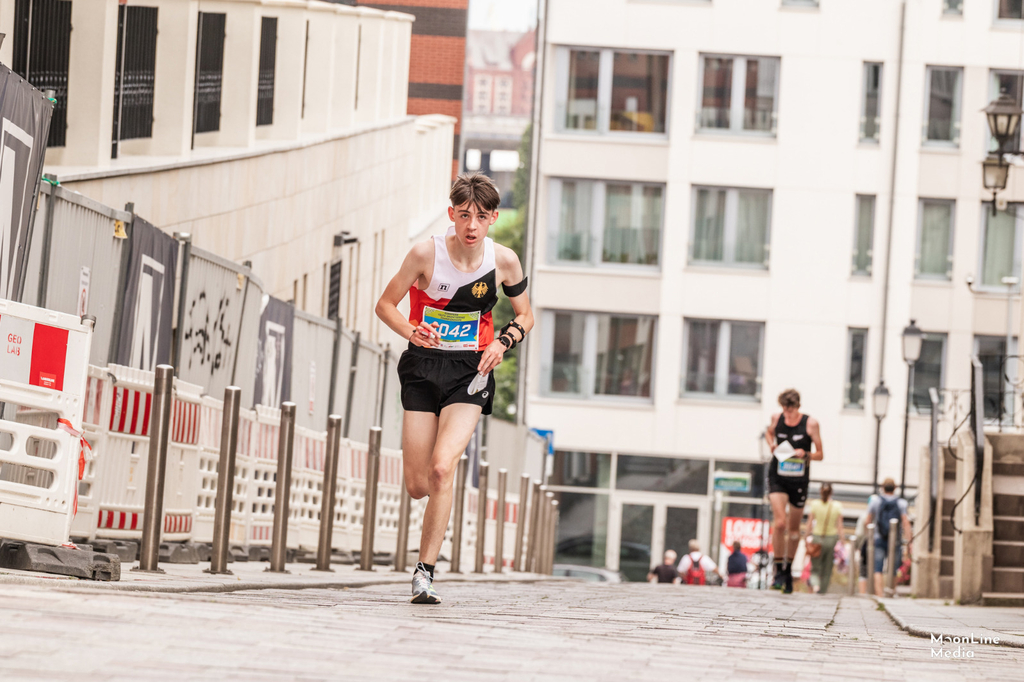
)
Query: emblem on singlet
[
  {"x": 443, "y": 287},
  {"x": 479, "y": 289}
]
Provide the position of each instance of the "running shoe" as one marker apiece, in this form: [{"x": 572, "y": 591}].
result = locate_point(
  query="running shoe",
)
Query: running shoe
[
  {"x": 788, "y": 589},
  {"x": 423, "y": 591}
]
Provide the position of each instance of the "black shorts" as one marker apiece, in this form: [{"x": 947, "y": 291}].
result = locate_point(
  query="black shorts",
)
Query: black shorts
[
  {"x": 795, "y": 488},
  {"x": 434, "y": 379}
]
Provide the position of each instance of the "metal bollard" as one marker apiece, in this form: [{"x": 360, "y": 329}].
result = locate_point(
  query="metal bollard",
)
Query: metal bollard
[
  {"x": 283, "y": 490},
  {"x": 543, "y": 527},
  {"x": 402, "y": 544},
  {"x": 550, "y": 568},
  {"x": 533, "y": 536},
  {"x": 499, "y": 523},
  {"x": 153, "y": 514},
  {"x": 481, "y": 517},
  {"x": 460, "y": 507},
  {"x": 370, "y": 500},
  {"x": 524, "y": 492},
  {"x": 327, "y": 493},
  {"x": 853, "y": 565},
  {"x": 890, "y": 559},
  {"x": 870, "y": 542},
  {"x": 225, "y": 481}
]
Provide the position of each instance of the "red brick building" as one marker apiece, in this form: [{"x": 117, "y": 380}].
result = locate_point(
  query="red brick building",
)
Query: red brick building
[{"x": 438, "y": 57}]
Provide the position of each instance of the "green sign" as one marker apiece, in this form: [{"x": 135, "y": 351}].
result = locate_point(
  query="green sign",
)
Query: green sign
[{"x": 732, "y": 481}]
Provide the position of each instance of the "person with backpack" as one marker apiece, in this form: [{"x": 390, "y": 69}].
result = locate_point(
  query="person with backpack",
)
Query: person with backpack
[
  {"x": 696, "y": 568},
  {"x": 884, "y": 507}
]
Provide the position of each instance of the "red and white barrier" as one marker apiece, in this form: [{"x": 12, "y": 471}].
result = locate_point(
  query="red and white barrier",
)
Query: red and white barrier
[
  {"x": 44, "y": 370},
  {"x": 99, "y": 392},
  {"x": 181, "y": 478},
  {"x": 210, "y": 423}
]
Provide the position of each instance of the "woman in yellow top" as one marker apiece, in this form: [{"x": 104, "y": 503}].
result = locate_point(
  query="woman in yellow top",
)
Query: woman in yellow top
[{"x": 824, "y": 527}]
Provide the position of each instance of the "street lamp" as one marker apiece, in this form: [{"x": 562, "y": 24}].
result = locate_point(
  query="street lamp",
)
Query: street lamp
[
  {"x": 879, "y": 405},
  {"x": 912, "y": 340},
  {"x": 1003, "y": 116},
  {"x": 994, "y": 174}
]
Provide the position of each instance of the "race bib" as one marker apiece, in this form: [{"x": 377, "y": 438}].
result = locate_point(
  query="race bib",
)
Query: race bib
[
  {"x": 792, "y": 467},
  {"x": 458, "y": 331}
]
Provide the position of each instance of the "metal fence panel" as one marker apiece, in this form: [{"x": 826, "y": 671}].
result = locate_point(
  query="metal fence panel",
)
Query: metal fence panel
[
  {"x": 366, "y": 392},
  {"x": 85, "y": 260},
  {"x": 391, "y": 424},
  {"x": 244, "y": 373},
  {"x": 313, "y": 343},
  {"x": 344, "y": 360}
]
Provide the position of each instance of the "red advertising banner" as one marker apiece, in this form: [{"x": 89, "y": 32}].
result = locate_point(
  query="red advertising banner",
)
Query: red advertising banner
[{"x": 748, "y": 532}]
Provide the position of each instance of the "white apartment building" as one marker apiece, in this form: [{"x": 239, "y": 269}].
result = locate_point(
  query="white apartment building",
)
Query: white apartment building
[{"x": 716, "y": 213}]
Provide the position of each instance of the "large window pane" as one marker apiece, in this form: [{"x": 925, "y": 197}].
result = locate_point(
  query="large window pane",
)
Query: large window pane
[
  {"x": 1000, "y": 247},
  {"x": 943, "y": 105},
  {"x": 709, "y": 227},
  {"x": 582, "y": 469},
  {"x": 752, "y": 226},
  {"x": 567, "y": 362},
  {"x": 574, "y": 221},
  {"x": 990, "y": 350},
  {"x": 934, "y": 258},
  {"x": 581, "y": 107},
  {"x": 632, "y": 224},
  {"x": 702, "y": 355},
  {"x": 1011, "y": 9},
  {"x": 662, "y": 474},
  {"x": 864, "y": 235},
  {"x": 624, "y": 350},
  {"x": 870, "y": 120},
  {"x": 582, "y": 529},
  {"x": 928, "y": 370},
  {"x": 744, "y": 358},
  {"x": 854, "y": 395},
  {"x": 759, "y": 99},
  {"x": 716, "y": 102},
  {"x": 639, "y": 92}
]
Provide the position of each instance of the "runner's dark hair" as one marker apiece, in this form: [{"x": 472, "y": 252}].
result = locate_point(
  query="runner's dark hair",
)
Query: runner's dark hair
[{"x": 476, "y": 189}]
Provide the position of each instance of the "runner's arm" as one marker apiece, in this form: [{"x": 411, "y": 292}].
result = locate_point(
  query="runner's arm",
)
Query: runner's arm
[
  {"x": 412, "y": 269},
  {"x": 769, "y": 434},
  {"x": 814, "y": 431},
  {"x": 511, "y": 273}
]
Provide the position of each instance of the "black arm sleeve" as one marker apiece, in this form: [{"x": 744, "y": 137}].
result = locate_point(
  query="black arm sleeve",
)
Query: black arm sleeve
[{"x": 515, "y": 289}]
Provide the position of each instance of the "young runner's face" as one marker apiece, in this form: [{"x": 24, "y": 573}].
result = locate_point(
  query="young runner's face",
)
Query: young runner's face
[
  {"x": 791, "y": 412},
  {"x": 471, "y": 223}
]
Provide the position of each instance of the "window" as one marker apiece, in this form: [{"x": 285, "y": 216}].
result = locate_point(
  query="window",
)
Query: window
[
  {"x": 929, "y": 370},
  {"x": 952, "y": 6},
  {"x": 42, "y": 53},
  {"x": 942, "y": 115},
  {"x": 583, "y": 532},
  {"x": 662, "y": 474},
  {"x": 739, "y": 94},
  {"x": 599, "y": 222},
  {"x": 997, "y": 375},
  {"x": 800, "y": 3},
  {"x": 265, "y": 84},
  {"x": 581, "y": 469},
  {"x": 134, "y": 74},
  {"x": 1011, "y": 83},
  {"x": 870, "y": 113},
  {"x": 722, "y": 358},
  {"x": 730, "y": 226},
  {"x": 864, "y": 235},
  {"x": 608, "y": 90},
  {"x": 209, "y": 72},
  {"x": 503, "y": 96},
  {"x": 598, "y": 354},
  {"x": 935, "y": 240},
  {"x": 853, "y": 392},
  {"x": 1001, "y": 235},
  {"x": 482, "y": 94},
  {"x": 1011, "y": 9}
]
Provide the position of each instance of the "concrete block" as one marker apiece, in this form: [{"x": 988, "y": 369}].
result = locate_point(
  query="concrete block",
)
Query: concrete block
[
  {"x": 178, "y": 553},
  {"x": 78, "y": 563}
]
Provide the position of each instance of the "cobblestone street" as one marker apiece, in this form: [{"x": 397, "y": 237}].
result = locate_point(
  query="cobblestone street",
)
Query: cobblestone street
[{"x": 541, "y": 631}]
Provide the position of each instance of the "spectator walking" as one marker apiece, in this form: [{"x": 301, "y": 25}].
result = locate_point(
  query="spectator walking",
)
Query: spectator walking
[
  {"x": 861, "y": 546},
  {"x": 696, "y": 567},
  {"x": 888, "y": 506},
  {"x": 666, "y": 572},
  {"x": 824, "y": 529},
  {"x": 736, "y": 567}
]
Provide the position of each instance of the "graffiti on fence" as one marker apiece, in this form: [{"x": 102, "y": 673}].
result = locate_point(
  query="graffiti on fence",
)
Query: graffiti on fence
[{"x": 207, "y": 334}]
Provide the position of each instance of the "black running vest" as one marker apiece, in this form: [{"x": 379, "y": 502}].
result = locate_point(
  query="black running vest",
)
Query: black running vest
[{"x": 798, "y": 438}]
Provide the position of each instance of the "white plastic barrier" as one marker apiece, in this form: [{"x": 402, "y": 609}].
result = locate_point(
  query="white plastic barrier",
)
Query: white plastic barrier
[
  {"x": 210, "y": 423},
  {"x": 307, "y": 488},
  {"x": 262, "y": 484},
  {"x": 509, "y": 538},
  {"x": 99, "y": 390},
  {"x": 181, "y": 479},
  {"x": 44, "y": 369}
]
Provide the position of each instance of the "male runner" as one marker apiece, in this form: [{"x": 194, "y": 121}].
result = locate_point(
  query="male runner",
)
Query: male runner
[
  {"x": 789, "y": 478},
  {"x": 452, "y": 285}
]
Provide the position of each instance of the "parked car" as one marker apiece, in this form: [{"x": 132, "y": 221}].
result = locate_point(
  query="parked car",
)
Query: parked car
[{"x": 588, "y": 573}]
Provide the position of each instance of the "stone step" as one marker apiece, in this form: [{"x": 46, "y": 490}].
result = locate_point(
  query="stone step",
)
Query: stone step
[
  {"x": 1013, "y": 469},
  {"x": 947, "y": 547},
  {"x": 1007, "y": 505},
  {"x": 1006, "y": 579},
  {"x": 947, "y": 527},
  {"x": 1007, "y": 528},
  {"x": 1007, "y": 553},
  {"x": 945, "y": 587},
  {"x": 1002, "y": 599},
  {"x": 946, "y": 566}
]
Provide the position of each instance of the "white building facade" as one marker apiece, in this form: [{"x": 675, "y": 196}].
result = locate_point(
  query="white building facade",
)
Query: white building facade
[{"x": 718, "y": 220}]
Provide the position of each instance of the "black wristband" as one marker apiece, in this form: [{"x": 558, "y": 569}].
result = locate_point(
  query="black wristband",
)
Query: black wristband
[
  {"x": 515, "y": 289},
  {"x": 505, "y": 341}
]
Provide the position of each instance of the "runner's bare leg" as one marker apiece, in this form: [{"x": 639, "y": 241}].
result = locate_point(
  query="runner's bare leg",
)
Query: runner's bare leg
[{"x": 419, "y": 432}]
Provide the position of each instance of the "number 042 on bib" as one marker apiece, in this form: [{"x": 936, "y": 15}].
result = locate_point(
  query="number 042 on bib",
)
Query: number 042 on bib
[{"x": 458, "y": 331}]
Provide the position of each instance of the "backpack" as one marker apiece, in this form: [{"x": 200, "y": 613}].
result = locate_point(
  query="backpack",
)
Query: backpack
[
  {"x": 695, "y": 576},
  {"x": 889, "y": 509}
]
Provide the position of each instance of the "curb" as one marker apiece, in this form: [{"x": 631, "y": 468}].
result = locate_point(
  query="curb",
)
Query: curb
[{"x": 1015, "y": 642}]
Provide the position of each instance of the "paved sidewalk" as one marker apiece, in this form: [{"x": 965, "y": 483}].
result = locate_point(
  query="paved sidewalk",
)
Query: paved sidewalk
[
  {"x": 547, "y": 631},
  {"x": 927, "y": 617},
  {"x": 251, "y": 575}
]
